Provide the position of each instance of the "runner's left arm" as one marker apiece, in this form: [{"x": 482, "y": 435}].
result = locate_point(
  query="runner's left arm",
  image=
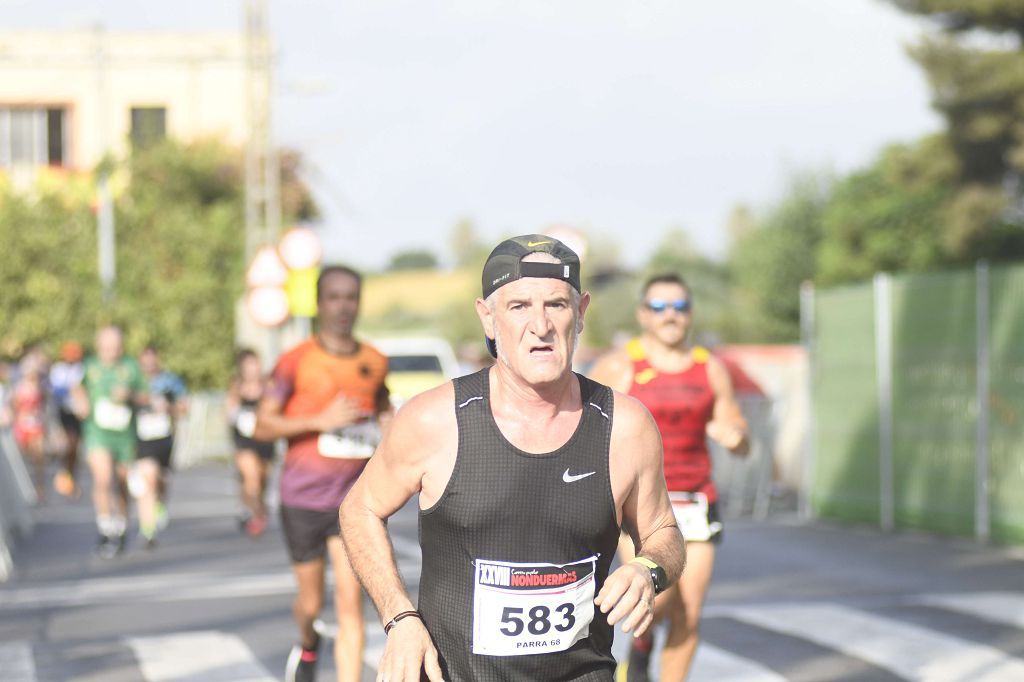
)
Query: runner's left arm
[
  {"x": 138, "y": 387},
  {"x": 271, "y": 422},
  {"x": 638, "y": 484},
  {"x": 727, "y": 427},
  {"x": 180, "y": 396}
]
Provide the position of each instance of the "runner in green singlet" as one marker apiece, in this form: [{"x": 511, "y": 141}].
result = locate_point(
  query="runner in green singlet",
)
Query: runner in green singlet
[{"x": 105, "y": 399}]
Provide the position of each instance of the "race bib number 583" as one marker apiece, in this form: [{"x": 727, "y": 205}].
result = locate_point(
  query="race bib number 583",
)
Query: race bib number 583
[{"x": 534, "y": 608}]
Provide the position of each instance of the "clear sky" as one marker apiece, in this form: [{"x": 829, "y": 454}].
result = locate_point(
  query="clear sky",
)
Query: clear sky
[{"x": 623, "y": 119}]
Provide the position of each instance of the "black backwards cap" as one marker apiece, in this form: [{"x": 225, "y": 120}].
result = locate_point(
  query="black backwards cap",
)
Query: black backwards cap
[{"x": 505, "y": 265}]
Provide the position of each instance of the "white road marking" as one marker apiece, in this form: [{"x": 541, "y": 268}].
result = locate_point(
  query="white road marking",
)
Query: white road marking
[
  {"x": 998, "y": 607},
  {"x": 907, "y": 650},
  {"x": 202, "y": 656},
  {"x": 175, "y": 586},
  {"x": 16, "y": 662},
  {"x": 712, "y": 664},
  {"x": 147, "y": 588},
  {"x": 176, "y": 509}
]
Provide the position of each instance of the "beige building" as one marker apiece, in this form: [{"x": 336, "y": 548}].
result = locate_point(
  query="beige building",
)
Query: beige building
[{"x": 67, "y": 97}]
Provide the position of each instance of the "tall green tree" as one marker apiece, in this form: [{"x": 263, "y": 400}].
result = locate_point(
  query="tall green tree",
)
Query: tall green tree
[
  {"x": 957, "y": 16},
  {"x": 978, "y": 87},
  {"x": 179, "y": 245},
  {"x": 890, "y": 216},
  {"x": 772, "y": 257},
  {"x": 417, "y": 259},
  {"x": 180, "y": 256},
  {"x": 465, "y": 246},
  {"x": 49, "y": 288}
]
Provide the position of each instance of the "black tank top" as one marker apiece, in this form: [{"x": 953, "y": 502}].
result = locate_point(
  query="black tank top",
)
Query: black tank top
[{"x": 550, "y": 512}]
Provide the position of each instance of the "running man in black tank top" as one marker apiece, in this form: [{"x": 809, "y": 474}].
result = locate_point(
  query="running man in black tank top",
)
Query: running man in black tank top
[{"x": 525, "y": 473}]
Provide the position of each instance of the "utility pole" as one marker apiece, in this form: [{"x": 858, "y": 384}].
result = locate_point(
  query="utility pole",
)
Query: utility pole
[
  {"x": 262, "y": 169},
  {"x": 105, "y": 212}
]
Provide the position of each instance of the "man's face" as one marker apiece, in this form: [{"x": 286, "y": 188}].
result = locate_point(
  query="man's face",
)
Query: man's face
[
  {"x": 108, "y": 345},
  {"x": 250, "y": 368},
  {"x": 149, "y": 361},
  {"x": 338, "y": 305},
  {"x": 667, "y": 325},
  {"x": 535, "y": 326}
]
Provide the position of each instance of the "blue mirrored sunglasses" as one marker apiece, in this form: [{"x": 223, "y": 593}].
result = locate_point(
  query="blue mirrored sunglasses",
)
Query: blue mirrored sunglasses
[{"x": 656, "y": 305}]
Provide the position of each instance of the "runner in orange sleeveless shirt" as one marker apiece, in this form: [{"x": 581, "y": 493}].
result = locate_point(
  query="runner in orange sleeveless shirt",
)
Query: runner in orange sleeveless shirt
[
  {"x": 327, "y": 397},
  {"x": 690, "y": 395}
]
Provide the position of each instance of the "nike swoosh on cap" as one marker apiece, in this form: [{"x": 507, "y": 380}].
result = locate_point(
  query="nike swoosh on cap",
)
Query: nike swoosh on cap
[
  {"x": 530, "y": 245},
  {"x": 571, "y": 478}
]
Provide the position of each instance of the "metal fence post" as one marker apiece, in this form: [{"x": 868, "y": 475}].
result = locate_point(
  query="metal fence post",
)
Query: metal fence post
[
  {"x": 17, "y": 494},
  {"x": 804, "y": 505},
  {"x": 982, "y": 519},
  {"x": 883, "y": 372}
]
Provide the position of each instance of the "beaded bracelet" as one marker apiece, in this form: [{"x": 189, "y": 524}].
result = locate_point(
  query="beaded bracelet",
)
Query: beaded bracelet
[{"x": 399, "y": 616}]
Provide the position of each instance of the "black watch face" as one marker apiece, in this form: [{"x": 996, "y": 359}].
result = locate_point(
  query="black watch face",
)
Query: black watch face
[{"x": 660, "y": 579}]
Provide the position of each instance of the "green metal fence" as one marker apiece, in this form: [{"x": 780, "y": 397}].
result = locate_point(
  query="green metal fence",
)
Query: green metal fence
[
  {"x": 918, "y": 395},
  {"x": 1006, "y": 405},
  {"x": 846, "y": 480}
]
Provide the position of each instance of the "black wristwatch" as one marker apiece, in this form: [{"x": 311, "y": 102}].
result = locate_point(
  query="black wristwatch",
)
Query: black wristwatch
[{"x": 658, "y": 576}]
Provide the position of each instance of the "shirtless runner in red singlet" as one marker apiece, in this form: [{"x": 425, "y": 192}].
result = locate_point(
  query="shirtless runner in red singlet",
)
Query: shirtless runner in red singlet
[{"x": 690, "y": 395}]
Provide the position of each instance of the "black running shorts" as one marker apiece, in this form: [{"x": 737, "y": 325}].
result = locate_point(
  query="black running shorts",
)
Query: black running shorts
[
  {"x": 159, "y": 449},
  {"x": 306, "y": 532},
  {"x": 715, "y": 521},
  {"x": 71, "y": 424},
  {"x": 264, "y": 449}
]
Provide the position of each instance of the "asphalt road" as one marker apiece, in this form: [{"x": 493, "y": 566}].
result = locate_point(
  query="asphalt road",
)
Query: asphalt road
[{"x": 789, "y": 601}]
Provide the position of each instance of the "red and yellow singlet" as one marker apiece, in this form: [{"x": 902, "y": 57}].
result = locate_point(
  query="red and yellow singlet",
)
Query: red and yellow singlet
[{"x": 682, "y": 404}]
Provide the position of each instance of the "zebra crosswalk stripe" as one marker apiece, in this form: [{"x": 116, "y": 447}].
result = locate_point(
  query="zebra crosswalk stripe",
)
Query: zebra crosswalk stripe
[
  {"x": 911, "y": 651},
  {"x": 199, "y": 656},
  {"x": 907, "y": 650},
  {"x": 714, "y": 664},
  {"x": 997, "y": 607},
  {"x": 16, "y": 662}
]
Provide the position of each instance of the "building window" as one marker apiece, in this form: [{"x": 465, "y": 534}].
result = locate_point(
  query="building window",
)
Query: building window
[
  {"x": 149, "y": 125},
  {"x": 32, "y": 136},
  {"x": 55, "y": 137}
]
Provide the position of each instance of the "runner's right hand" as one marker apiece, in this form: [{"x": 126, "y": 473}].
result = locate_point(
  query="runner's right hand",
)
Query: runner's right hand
[
  {"x": 628, "y": 597},
  {"x": 340, "y": 412},
  {"x": 408, "y": 653},
  {"x": 729, "y": 436}
]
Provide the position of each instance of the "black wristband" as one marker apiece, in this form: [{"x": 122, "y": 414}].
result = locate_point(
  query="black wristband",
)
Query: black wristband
[{"x": 400, "y": 616}]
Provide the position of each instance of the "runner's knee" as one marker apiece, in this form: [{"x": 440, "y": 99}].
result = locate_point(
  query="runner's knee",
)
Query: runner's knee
[{"x": 309, "y": 603}]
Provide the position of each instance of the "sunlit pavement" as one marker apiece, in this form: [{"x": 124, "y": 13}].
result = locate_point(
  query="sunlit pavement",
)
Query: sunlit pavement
[{"x": 789, "y": 602}]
